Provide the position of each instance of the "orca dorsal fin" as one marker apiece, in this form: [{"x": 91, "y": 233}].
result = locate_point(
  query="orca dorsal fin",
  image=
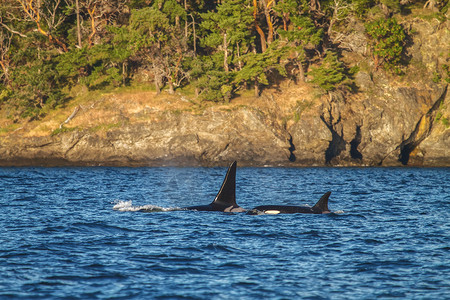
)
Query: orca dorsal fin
[
  {"x": 227, "y": 193},
  {"x": 322, "y": 205}
]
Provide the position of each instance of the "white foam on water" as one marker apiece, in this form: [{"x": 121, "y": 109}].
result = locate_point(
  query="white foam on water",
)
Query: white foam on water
[{"x": 128, "y": 206}]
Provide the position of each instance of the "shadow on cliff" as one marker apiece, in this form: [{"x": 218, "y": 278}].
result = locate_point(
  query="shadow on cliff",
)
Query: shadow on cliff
[{"x": 418, "y": 135}]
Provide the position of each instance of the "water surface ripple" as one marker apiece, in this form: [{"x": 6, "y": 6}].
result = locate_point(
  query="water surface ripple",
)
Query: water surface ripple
[{"x": 61, "y": 238}]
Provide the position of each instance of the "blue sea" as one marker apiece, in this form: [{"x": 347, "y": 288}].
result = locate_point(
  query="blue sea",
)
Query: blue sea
[{"x": 116, "y": 233}]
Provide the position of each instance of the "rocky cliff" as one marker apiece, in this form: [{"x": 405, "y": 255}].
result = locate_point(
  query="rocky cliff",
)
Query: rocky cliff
[{"x": 389, "y": 121}]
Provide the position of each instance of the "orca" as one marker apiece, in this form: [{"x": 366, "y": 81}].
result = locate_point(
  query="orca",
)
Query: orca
[
  {"x": 225, "y": 200},
  {"x": 321, "y": 207}
]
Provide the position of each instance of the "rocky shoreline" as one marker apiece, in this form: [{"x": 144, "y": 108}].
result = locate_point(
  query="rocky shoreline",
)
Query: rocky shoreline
[{"x": 332, "y": 131}]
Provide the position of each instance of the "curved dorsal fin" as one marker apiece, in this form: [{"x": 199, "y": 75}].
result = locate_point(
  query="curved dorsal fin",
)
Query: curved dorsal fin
[
  {"x": 322, "y": 205},
  {"x": 227, "y": 192}
]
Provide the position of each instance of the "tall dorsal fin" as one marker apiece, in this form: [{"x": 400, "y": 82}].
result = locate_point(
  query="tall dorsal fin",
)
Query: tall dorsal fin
[
  {"x": 227, "y": 192},
  {"x": 322, "y": 205}
]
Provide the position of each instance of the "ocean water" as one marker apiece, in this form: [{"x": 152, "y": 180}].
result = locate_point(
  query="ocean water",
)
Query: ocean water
[{"x": 80, "y": 233}]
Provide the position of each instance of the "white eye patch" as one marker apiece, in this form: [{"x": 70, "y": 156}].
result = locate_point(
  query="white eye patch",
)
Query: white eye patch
[{"x": 271, "y": 212}]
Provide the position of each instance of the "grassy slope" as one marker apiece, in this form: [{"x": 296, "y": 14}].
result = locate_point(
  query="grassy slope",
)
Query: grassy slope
[{"x": 103, "y": 110}]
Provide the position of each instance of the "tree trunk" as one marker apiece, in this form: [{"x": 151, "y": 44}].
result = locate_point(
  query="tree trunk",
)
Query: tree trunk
[
  {"x": 186, "y": 21},
  {"x": 239, "y": 56},
  {"x": 256, "y": 88},
  {"x": 78, "y": 24},
  {"x": 330, "y": 28},
  {"x": 93, "y": 27},
  {"x": 197, "y": 92},
  {"x": 171, "y": 87},
  {"x": 194, "y": 35},
  {"x": 314, "y": 5},
  {"x": 301, "y": 75},
  {"x": 431, "y": 4},
  {"x": 225, "y": 50},
  {"x": 157, "y": 88},
  {"x": 5, "y": 68},
  {"x": 124, "y": 73},
  {"x": 269, "y": 22},
  {"x": 258, "y": 29}
]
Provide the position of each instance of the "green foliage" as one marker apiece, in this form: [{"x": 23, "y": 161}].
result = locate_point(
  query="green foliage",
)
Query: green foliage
[
  {"x": 73, "y": 65},
  {"x": 173, "y": 10},
  {"x": 232, "y": 18},
  {"x": 216, "y": 46},
  {"x": 5, "y": 94},
  {"x": 229, "y": 29},
  {"x": 436, "y": 77},
  {"x": 159, "y": 39},
  {"x": 210, "y": 79},
  {"x": 257, "y": 65},
  {"x": 440, "y": 116},
  {"x": 228, "y": 33},
  {"x": 446, "y": 70},
  {"x": 330, "y": 73},
  {"x": 149, "y": 25},
  {"x": 35, "y": 86},
  {"x": 393, "y": 5},
  {"x": 215, "y": 86},
  {"x": 62, "y": 130},
  {"x": 300, "y": 33},
  {"x": 360, "y": 7},
  {"x": 303, "y": 32},
  {"x": 388, "y": 40},
  {"x": 300, "y": 107}
]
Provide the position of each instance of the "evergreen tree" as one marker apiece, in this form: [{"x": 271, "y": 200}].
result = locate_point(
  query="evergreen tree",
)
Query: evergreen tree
[
  {"x": 228, "y": 29},
  {"x": 330, "y": 73},
  {"x": 227, "y": 33},
  {"x": 388, "y": 39},
  {"x": 299, "y": 31},
  {"x": 158, "y": 36},
  {"x": 258, "y": 65}
]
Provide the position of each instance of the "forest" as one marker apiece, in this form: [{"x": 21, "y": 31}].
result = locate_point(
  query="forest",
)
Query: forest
[{"x": 215, "y": 48}]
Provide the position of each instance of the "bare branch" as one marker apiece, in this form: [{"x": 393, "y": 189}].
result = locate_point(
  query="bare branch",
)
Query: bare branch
[
  {"x": 70, "y": 117},
  {"x": 5, "y": 46},
  {"x": 35, "y": 12},
  {"x": 11, "y": 30}
]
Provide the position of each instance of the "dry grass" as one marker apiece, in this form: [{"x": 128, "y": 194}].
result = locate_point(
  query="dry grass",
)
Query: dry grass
[{"x": 100, "y": 112}]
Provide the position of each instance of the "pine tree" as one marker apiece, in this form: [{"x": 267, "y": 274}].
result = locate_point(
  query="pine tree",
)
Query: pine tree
[
  {"x": 330, "y": 73},
  {"x": 298, "y": 30},
  {"x": 227, "y": 34},
  {"x": 228, "y": 28},
  {"x": 258, "y": 65},
  {"x": 158, "y": 35},
  {"x": 388, "y": 39}
]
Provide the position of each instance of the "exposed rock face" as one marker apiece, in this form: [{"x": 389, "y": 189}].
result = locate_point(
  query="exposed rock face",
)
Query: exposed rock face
[
  {"x": 386, "y": 123},
  {"x": 373, "y": 132},
  {"x": 433, "y": 132},
  {"x": 335, "y": 131},
  {"x": 215, "y": 137}
]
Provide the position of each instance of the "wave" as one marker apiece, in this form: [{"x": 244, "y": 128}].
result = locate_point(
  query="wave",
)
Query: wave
[{"x": 128, "y": 206}]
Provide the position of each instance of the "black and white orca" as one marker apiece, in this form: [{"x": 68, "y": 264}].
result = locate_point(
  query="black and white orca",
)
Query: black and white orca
[
  {"x": 225, "y": 200},
  {"x": 321, "y": 207}
]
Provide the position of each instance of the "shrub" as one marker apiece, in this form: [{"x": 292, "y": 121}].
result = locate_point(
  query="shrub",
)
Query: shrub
[
  {"x": 388, "y": 40},
  {"x": 330, "y": 73}
]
